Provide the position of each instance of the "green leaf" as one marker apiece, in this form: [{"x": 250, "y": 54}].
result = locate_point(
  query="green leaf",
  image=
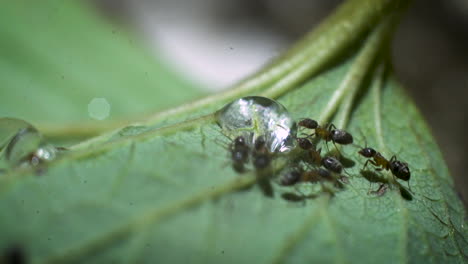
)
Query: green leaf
[
  {"x": 165, "y": 192},
  {"x": 59, "y": 55}
]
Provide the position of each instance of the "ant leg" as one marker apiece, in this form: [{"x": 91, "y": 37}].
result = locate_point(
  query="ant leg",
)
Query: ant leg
[
  {"x": 336, "y": 147},
  {"x": 365, "y": 165},
  {"x": 326, "y": 144},
  {"x": 371, "y": 162}
]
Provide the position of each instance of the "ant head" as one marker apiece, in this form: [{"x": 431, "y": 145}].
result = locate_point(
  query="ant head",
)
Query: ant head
[
  {"x": 367, "y": 152},
  {"x": 304, "y": 143},
  {"x": 240, "y": 140}
]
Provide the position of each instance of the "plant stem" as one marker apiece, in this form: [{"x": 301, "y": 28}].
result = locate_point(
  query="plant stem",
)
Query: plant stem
[{"x": 345, "y": 26}]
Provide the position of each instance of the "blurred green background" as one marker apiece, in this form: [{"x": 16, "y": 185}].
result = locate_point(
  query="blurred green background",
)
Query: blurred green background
[{"x": 77, "y": 68}]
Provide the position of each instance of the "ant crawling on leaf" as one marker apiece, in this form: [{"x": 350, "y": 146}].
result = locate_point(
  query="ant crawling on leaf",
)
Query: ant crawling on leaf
[
  {"x": 327, "y": 133},
  {"x": 330, "y": 163},
  {"x": 399, "y": 169}
]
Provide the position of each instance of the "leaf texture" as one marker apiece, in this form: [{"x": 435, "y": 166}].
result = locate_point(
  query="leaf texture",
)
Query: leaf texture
[{"x": 166, "y": 192}]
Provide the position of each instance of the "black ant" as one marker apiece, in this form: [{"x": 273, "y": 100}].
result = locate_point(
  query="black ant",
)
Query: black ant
[
  {"x": 308, "y": 123},
  {"x": 399, "y": 169},
  {"x": 327, "y": 133},
  {"x": 291, "y": 178},
  {"x": 239, "y": 154},
  {"x": 330, "y": 163},
  {"x": 304, "y": 143},
  {"x": 261, "y": 155}
]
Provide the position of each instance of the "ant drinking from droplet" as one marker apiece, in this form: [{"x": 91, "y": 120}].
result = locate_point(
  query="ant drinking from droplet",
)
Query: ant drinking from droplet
[
  {"x": 239, "y": 154},
  {"x": 261, "y": 154}
]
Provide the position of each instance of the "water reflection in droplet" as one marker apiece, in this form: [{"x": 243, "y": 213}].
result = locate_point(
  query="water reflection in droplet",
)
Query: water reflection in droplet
[{"x": 256, "y": 116}]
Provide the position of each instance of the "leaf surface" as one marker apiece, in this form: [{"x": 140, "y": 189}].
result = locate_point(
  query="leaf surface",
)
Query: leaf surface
[
  {"x": 59, "y": 56},
  {"x": 166, "y": 192}
]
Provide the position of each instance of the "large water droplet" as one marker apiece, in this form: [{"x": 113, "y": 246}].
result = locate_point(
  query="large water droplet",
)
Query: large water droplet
[
  {"x": 21, "y": 143},
  {"x": 256, "y": 116}
]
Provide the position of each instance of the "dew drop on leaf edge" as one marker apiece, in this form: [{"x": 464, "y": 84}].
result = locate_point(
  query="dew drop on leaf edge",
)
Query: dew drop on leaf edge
[{"x": 21, "y": 143}]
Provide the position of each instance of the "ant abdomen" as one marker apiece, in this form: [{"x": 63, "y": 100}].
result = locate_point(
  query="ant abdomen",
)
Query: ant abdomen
[
  {"x": 341, "y": 137},
  {"x": 308, "y": 123},
  {"x": 332, "y": 164},
  {"x": 400, "y": 170}
]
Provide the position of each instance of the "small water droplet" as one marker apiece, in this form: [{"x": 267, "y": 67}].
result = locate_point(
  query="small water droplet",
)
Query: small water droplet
[
  {"x": 99, "y": 108},
  {"x": 22, "y": 144},
  {"x": 256, "y": 116}
]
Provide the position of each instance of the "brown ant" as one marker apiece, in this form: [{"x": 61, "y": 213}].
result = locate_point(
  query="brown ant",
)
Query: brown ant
[
  {"x": 399, "y": 169},
  {"x": 298, "y": 175},
  {"x": 330, "y": 163},
  {"x": 261, "y": 155},
  {"x": 327, "y": 133},
  {"x": 239, "y": 154},
  {"x": 308, "y": 123},
  {"x": 304, "y": 143}
]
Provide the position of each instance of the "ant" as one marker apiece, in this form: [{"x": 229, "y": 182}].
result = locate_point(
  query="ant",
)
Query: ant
[
  {"x": 327, "y": 133},
  {"x": 330, "y": 163},
  {"x": 239, "y": 154},
  {"x": 399, "y": 169},
  {"x": 295, "y": 176},
  {"x": 304, "y": 143},
  {"x": 261, "y": 155}
]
